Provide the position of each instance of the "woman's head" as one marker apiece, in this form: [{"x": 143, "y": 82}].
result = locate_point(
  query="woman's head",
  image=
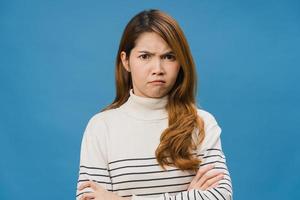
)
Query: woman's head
[
  {"x": 164, "y": 32},
  {"x": 152, "y": 65},
  {"x": 153, "y": 47}
]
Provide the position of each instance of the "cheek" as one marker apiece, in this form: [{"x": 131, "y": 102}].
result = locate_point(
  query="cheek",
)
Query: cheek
[
  {"x": 138, "y": 72},
  {"x": 174, "y": 70}
]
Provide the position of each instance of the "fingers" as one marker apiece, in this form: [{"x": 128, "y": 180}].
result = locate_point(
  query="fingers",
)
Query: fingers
[
  {"x": 213, "y": 185},
  {"x": 199, "y": 174},
  {"x": 87, "y": 196},
  {"x": 208, "y": 177},
  {"x": 203, "y": 170},
  {"x": 90, "y": 184},
  {"x": 212, "y": 182}
]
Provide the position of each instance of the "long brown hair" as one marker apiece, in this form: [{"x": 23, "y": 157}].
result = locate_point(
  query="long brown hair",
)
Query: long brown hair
[{"x": 176, "y": 142}]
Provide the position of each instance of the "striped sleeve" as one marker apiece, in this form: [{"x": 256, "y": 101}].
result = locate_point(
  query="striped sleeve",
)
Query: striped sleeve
[
  {"x": 211, "y": 150},
  {"x": 93, "y": 156}
]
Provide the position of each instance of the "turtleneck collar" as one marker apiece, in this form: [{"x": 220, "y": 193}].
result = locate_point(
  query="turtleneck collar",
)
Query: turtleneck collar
[{"x": 145, "y": 108}]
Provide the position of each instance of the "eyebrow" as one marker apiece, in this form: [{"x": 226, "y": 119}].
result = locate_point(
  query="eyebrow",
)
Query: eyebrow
[{"x": 148, "y": 52}]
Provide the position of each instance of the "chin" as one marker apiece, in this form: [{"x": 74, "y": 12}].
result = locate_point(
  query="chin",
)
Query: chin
[
  {"x": 157, "y": 94},
  {"x": 154, "y": 92}
]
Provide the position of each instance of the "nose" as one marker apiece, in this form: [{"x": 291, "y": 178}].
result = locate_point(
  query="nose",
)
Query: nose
[{"x": 157, "y": 68}]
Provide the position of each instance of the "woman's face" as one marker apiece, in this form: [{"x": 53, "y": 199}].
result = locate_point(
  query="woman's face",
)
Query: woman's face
[{"x": 153, "y": 66}]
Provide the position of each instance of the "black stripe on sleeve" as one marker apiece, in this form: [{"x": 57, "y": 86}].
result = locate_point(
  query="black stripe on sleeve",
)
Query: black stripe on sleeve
[
  {"x": 225, "y": 184},
  {"x": 200, "y": 194},
  {"x": 82, "y": 193},
  {"x": 215, "y": 155},
  {"x": 219, "y": 193},
  {"x": 212, "y": 194},
  {"x": 227, "y": 179},
  {"x": 84, "y": 180},
  {"x": 87, "y": 167},
  {"x": 221, "y": 168},
  {"x": 213, "y": 149},
  {"x": 225, "y": 189},
  {"x": 85, "y": 173},
  {"x": 212, "y": 162},
  {"x": 206, "y": 195}
]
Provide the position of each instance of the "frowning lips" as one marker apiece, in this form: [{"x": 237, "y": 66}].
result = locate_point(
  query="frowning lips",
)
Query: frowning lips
[{"x": 157, "y": 81}]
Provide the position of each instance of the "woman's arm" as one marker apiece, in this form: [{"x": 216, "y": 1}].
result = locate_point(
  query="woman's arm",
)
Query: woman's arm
[
  {"x": 93, "y": 157},
  {"x": 220, "y": 191},
  {"x": 223, "y": 190}
]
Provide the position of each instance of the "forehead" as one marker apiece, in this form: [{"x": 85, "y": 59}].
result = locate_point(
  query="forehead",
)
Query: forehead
[{"x": 150, "y": 41}]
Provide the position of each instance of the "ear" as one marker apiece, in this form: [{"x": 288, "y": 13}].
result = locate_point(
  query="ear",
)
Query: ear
[{"x": 125, "y": 60}]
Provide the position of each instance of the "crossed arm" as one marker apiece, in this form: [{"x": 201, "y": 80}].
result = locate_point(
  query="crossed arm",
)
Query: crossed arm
[{"x": 206, "y": 178}]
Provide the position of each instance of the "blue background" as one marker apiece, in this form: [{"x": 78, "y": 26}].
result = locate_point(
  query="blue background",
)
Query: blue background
[{"x": 57, "y": 70}]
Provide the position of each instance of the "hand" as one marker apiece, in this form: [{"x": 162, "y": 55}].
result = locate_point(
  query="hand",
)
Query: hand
[
  {"x": 206, "y": 178},
  {"x": 98, "y": 193}
]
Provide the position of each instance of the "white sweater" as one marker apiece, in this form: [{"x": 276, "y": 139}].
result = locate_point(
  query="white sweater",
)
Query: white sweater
[{"x": 118, "y": 152}]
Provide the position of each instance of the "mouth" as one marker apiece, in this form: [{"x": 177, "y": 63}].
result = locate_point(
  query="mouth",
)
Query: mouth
[{"x": 158, "y": 81}]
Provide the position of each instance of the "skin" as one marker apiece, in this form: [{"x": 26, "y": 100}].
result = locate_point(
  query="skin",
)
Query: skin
[{"x": 152, "y": 59}]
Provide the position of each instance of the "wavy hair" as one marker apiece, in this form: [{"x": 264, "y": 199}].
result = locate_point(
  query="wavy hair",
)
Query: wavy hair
[{"x": 177, "y": 142}]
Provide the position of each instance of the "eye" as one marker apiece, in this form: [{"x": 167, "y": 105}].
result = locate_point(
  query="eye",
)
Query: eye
[
  {"x": 169, "y": 57},
  {"x": 144, "y": 56}
]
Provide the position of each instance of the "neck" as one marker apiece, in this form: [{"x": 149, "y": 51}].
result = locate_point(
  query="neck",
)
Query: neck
[{"x": 145, "y": 108}]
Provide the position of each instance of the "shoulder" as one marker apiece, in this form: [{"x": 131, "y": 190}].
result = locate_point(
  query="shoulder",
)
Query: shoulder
[
  {"x": 97, "y": 123},
  {"x": 208, "y": 118},
  {"x": 103, "y": 116},
  {"x": 211, "y": 128}
]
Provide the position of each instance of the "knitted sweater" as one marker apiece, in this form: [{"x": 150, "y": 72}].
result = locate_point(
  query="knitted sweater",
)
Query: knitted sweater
[{"x": 118, "y": 152}]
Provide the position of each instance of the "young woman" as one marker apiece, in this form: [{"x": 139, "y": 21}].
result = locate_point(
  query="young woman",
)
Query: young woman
[{"x": 153, "y": 142}]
